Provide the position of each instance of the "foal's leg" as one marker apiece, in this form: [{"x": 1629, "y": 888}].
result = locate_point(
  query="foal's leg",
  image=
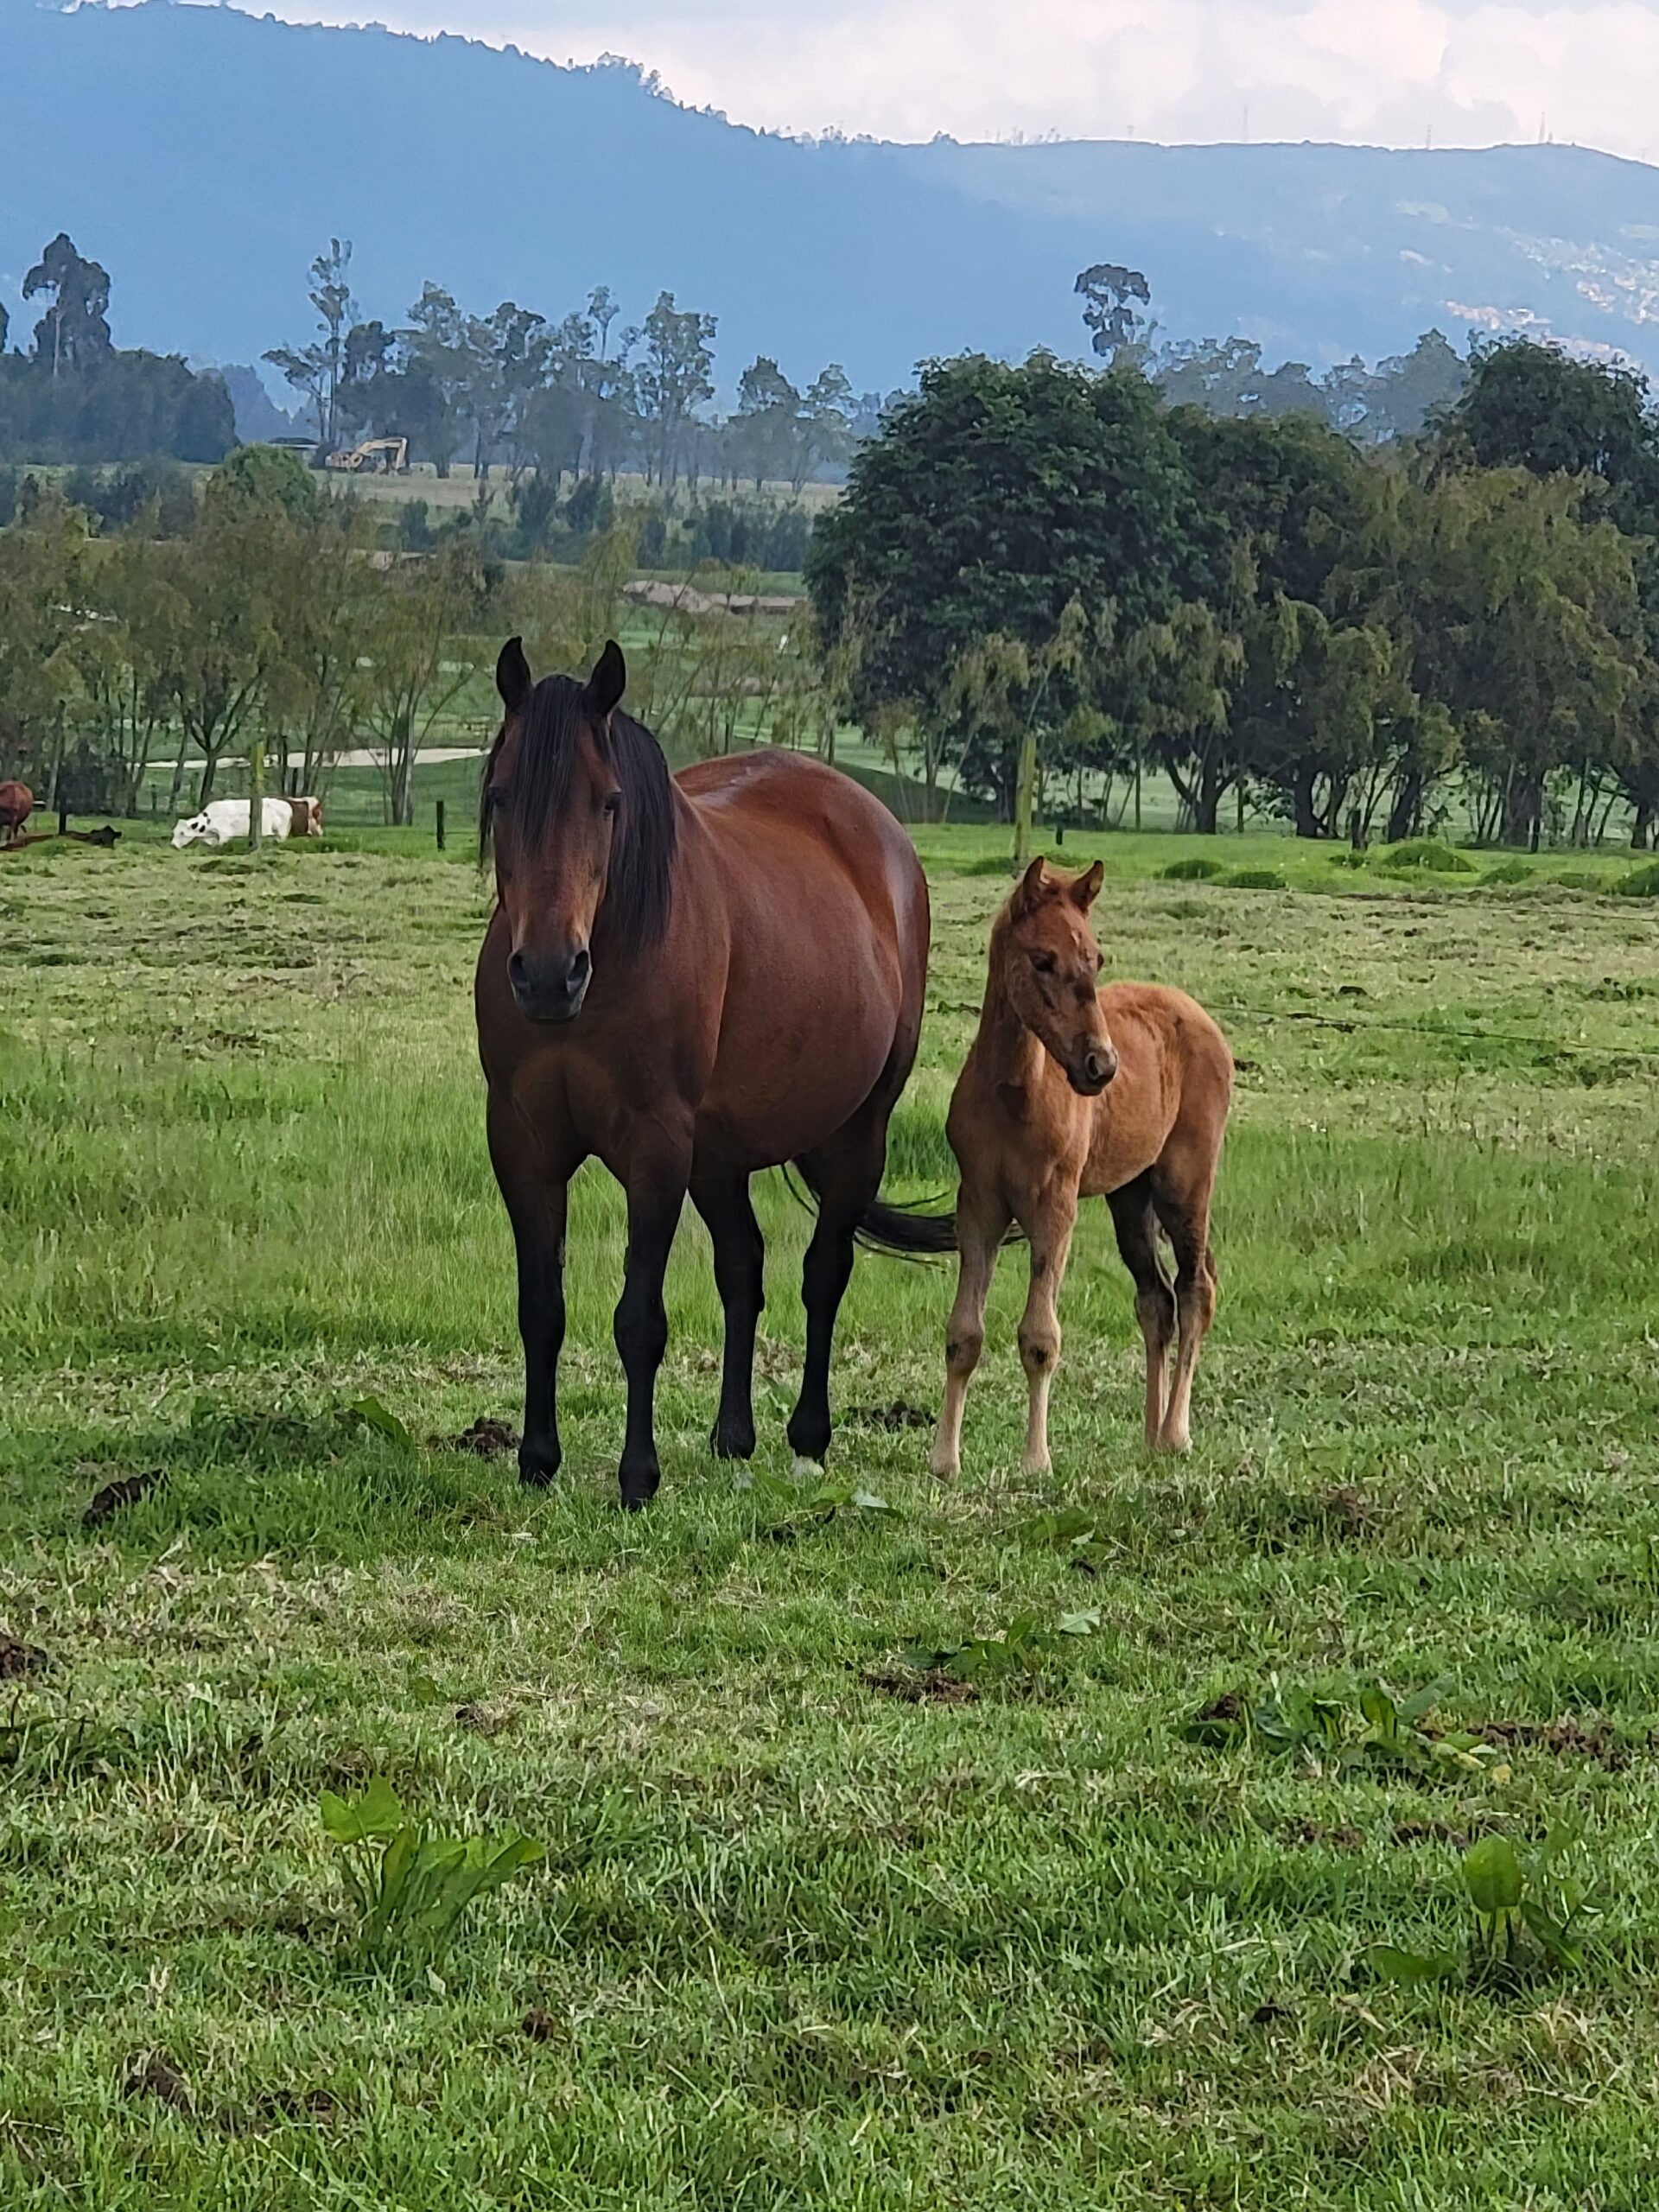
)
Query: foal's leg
[
  {"x": 535, "y": 1190},
  {"x": 1049, "y": 1229},
  {"x": 1186, "y": 1218},
  {"x": 739, "y": 1261},
  {"x": 655, "y": 1180},
  {"x": 1155, "y": 1300},
  {"x": 982, "y": 1223}
]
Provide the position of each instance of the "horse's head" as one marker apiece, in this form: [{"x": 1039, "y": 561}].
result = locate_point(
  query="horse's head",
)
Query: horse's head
[
  {"x": 578, "y": 808},
  {"x": 1045, "y": 953}
]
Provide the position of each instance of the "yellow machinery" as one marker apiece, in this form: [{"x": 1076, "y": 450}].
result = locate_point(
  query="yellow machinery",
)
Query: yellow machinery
[{"x": 391, "y": 454}]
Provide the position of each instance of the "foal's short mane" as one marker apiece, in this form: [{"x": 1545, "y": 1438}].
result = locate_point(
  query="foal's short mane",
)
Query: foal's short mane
[{"x": 640, "y": 885}]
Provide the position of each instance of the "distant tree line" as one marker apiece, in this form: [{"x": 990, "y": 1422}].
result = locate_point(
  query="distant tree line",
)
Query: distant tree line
[
  {"x": 140, "y": 652},
  {"x": 1398, "y": 399},
  {"x": 586, "y": 396},
  {"x": 1046, "y": 580},
  {"x": 74, "y": 395}
]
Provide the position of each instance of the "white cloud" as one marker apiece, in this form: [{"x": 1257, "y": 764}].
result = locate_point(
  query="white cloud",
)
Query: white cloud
[{"x": 1468, "y": 72}]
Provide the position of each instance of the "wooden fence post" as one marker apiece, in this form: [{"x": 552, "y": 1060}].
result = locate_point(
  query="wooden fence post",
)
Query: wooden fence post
[
  {"x": 256, "y": 796},
  {"x": 440, "y": 826}
]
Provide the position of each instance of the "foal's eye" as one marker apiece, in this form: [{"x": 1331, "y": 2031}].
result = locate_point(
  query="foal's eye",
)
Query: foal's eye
[
  {"x": 495, "y": 797},
  {"x": 1043, "y": 962},
  {"x": 611, "y": 801},
  {"x": 1100, "y": 961}
]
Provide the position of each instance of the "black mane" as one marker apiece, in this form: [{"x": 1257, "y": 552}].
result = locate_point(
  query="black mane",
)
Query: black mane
[{"x": 638, "y": 890}]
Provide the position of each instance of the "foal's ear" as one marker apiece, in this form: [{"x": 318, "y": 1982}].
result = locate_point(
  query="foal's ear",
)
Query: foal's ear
[
  {"x": 1032, "y": 885},
  {"x": 608, "y": 680},
  {"x": 1085, "y": 888},
  {"x": 513, "y": 677}
]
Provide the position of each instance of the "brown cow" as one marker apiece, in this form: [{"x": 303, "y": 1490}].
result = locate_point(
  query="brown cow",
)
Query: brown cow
[
  {"x": 16, "y": 804},
  {"x": 305, "y": 818}
]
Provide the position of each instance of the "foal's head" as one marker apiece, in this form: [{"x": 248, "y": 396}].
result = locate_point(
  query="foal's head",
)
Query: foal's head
[
  {"x": 1044, "y": 954},
  {"x": 579, "y": 809}
]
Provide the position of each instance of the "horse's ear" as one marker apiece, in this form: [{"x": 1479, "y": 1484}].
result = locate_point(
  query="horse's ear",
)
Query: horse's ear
[
  {"x": 608, "y": 680},
  {"x": 513, "y": 677},
  {"x": 1032, "y": 887},
  {"x": 1085, "y": 888}
]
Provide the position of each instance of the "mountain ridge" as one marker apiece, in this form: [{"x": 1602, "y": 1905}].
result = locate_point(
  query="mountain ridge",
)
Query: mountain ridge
[{"x": 231, "y": 147}]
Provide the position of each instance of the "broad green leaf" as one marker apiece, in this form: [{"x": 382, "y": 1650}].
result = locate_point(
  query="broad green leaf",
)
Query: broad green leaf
[
  {"x": 1493, "y": 1875},
  {"x": 372, "y": 1415},
  {"x": 1076, "y": 1524},
  {"x": 1423, "y": 1701},
  {"x": 1379, "y": 1709},
  {"x": 1083, "y": 1623},
  {"x": 1389, "y": 1963},
  {"x": 375, "y": 1811},
  {"x": 1551, "y": 1936}
]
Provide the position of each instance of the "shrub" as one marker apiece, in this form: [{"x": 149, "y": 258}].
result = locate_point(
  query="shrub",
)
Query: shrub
[
  {"x": 1254, "y": 879},
  {"x": 1197, "y": 869},
  {"x": 1641, "y": 882},
  {"x": 1427, "y": 853}
]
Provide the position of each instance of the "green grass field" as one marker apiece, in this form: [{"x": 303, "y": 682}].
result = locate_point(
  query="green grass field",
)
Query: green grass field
[{"x": 816, "y": 1927}]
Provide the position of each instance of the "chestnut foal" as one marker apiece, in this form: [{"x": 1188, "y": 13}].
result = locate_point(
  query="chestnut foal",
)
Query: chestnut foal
[{"x": 1070, "y": 1091}]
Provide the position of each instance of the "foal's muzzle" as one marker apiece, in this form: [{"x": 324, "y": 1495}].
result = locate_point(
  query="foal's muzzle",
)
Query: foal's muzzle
[
  {"x": 551, "y": 987},
  {"x": 1095, "y": 1066}
]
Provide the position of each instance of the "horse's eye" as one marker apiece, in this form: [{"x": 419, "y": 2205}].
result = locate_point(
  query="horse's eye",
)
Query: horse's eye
[
  {"x": 1043, "y": 962},
  {"x": 495, "y": 796},
  {"x": 613, "y": 800},
  {"x": 1100, "y": 961}
]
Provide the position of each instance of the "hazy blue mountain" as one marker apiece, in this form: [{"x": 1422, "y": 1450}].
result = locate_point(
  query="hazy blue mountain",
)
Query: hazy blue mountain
[{"x": 203, "y": 156}]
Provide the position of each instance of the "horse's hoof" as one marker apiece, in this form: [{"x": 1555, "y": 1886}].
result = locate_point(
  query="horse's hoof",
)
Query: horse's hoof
[
  {"x": 538, "y": 1474},
  {"x": 945, "y": 1467},
  {"x": 807, "y": 1471},
  {"x": 639, "y": 1485},
  {"x": 731, "y": 1441}
]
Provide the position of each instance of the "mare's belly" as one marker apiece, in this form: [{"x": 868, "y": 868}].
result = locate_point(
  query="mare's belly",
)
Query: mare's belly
[{"x": 796, "y": 1063}]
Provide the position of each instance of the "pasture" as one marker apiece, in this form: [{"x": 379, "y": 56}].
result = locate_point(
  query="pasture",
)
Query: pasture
[{"x": 822, "y": 1920}]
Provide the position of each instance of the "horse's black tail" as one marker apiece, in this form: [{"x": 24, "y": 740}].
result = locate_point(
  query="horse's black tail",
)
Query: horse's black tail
[{"x": 907, "y": 1232}]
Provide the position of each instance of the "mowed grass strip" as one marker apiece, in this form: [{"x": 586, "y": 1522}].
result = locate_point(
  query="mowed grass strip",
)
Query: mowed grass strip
[{"x": 811, "y": 1930}]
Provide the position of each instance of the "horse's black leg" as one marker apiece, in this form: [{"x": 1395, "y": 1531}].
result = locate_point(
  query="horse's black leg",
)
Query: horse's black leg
[
  {"x": 656, "y": 1194},
  {"x": 739, "y": 1263},
  {"x": 848, "y": 1175},
  {"x": 535, "y": 1200}
]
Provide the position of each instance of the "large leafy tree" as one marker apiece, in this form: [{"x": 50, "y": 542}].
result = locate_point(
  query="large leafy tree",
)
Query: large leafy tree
[
  {"x": 995, "y": 497},
  {"x": 74, "y": 331},
  {"x": 318, "y": 370},
  {"x": 674, "y": 379}
]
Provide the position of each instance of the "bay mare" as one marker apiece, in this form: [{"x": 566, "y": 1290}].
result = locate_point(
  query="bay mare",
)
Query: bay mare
[
  {"x": 689, "y": 977},
  {"x": 1071, "y": 1092}
]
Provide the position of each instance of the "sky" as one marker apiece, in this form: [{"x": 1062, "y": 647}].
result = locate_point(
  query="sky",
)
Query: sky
[{"x": 1383, "y": 72}]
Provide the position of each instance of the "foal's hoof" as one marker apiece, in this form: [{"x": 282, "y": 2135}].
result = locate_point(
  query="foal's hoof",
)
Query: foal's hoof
[
  {"x": 946, "y": 1466},
  {"x": 806, "y": 1471}
]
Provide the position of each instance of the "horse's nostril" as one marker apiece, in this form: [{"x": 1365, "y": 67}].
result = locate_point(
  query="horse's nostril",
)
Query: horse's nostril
[
  {"x": 580, "y": 963},
  {"x": 515, "y": 967}
]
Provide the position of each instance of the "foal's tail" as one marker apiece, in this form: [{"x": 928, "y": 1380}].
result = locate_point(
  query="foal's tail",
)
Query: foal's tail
[{"x": 907, "y": 1232}]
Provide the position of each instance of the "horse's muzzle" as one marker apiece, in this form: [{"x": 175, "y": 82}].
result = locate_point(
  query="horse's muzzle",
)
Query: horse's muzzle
[
  {"x": 550, "y": 990},
  {"x": 1094, "y": 1070}
]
